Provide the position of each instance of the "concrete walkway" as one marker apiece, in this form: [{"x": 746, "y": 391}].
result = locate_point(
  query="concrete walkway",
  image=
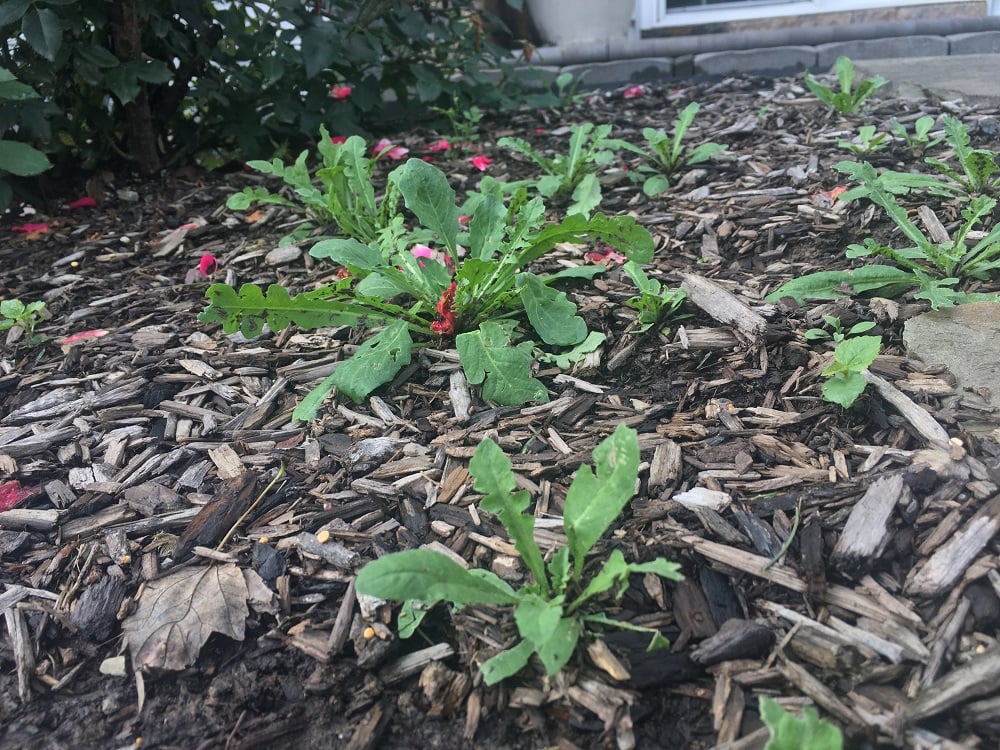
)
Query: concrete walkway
[{"x": 975, "y": 79}]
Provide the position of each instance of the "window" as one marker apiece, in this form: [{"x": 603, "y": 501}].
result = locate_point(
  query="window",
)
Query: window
[{"x": 653, "y": 14}]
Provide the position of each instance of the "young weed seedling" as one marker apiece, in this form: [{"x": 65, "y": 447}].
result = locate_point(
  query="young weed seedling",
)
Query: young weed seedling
[
  {"x": 654, "y": 301},
  {"x": 920, "y": 139},
  {"x": 933, "y": 267},
  {"x": 789, "y": 732},
  {"x": 669, "y": 154},
  {"x": 837, "y": 332},
  {"x": 979, "y": 165},
  {"x": 573, "y": 175},
  {"x": 345, "y": 201},
  {"x": 866, "y": 142},
  {"x": 567, "y": 86},
  {"x": 555, "y": 609},
  {"x": 846, "y": 101},
  {"x": 16, "y": 314},
  {"x": 850, "y": 359},
  {"x": 463, "y": 123}
]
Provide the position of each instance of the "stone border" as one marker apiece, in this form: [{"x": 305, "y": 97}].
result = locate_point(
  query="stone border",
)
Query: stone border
[{"x": 618, "y": 63}]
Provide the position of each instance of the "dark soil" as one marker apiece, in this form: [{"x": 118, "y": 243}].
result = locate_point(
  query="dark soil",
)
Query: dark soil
[{"x": 149, "y": 399}]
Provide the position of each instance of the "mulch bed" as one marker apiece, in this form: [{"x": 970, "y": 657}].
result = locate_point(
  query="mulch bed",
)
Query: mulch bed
[{"x": 883, "y": 613}]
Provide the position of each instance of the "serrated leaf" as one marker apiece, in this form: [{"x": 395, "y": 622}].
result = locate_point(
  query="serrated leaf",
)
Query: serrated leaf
[
  {"x": 486, "y": 228},
  {"x": 429, "y": 577},
  {"x": 594, "y": 502},
  {"x": 377, "y": 361},
  {"x": 844, "y": 388},
  {"x": 491, "y": 469},
  {"x": 586, "y": 196},
  {"x": 250, "y": 309},
  {"x": 504, "y": 370},
  {"x": 550, "y": 312},
  {"x": 858, "y": 353},
  {"x": 837, "y": 284},
  {"x": 43, "y": 31}
]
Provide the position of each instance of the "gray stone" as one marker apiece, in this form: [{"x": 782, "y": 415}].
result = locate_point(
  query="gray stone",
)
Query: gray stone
[
  {"x": 641, "y": 70},
  {"x": 965, "y": 339},
  {"x": 972, "y": 78},
  {"x": 975, "y": 43},
  {"x": 763, "y": 60},
  {"x": 866, "y": 49}
]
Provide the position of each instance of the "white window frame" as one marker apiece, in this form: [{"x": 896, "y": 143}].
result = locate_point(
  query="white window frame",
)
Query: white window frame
[{"x": 652, "y": 14}]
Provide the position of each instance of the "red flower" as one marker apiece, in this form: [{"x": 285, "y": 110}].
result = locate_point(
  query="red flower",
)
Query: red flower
[
  {"x": 480, "y": 162},
  {"x": 338, "y": 139},
  {"x": 340, "y": 92},
  {"x": 85, "y": 202},
  {"x": 445, "y": 324},
  {"x": 441, "y": 145}
]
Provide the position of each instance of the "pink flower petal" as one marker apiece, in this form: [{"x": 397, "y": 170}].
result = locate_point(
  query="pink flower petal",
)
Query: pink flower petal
[
  {"x": 421, "y": 251},
  {"x": 12, "y": 493},
  {"x": 463, "y": 220},
  {"x": 480, "y": 162},
  {"x": 441, "y": 145},
  {"x": 76, "y": 338},
  {"x": 633, "y": 91},
  {"x": 340, "y": 92},
  {"x": 385, "y": 148},
  {"x": 609, "y": 257},
  {"x": 85, "y": 202},
  {"x": 208, "y": 264},
  {"x": 338, "y": 139},
  {"x": 29, "y": 228}
]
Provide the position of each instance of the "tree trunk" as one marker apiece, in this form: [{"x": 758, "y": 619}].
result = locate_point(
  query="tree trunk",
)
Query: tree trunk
[{"x": 142, "y": 135}]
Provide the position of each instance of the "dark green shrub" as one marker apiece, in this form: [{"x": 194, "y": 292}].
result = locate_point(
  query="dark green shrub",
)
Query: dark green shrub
[{"x": 168, "y": 80}]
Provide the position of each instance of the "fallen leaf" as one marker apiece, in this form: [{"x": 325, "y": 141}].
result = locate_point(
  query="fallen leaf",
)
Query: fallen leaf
[
  {"x": 12, "y": 493},
  {"x": 178, "y": 613},
  {"x": 254, "y": 217}
]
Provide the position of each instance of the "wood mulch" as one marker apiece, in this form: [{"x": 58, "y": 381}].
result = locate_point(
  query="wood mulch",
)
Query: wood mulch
[{"x": 142, "y": 447}]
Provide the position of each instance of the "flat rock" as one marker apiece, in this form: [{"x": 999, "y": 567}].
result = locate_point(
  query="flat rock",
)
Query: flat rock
[{"x": 966, "y": 339}]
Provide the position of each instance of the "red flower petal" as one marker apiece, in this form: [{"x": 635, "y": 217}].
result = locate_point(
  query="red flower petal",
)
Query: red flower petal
[
  {"x": 85, "y": 202},
  {"x": 208, "y": 264},
  {"x": 76, "y": 338},
  {"x": 29, "y": 228},
  {"x": 11, "y": 493}
]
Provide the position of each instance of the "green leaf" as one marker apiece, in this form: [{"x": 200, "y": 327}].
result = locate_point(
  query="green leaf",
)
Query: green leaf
[
  {"x": 507, "y": 663},
  {"x": 537, "y": 619},
  {"x": 550, "y": 312},
  {"x": 791, "y": 733},
  {"x": 504, "y": 370},
  {"x": 487, "y": 228},
  {"x": 13, "y": 10},
  {"x": 428, "y": 577},
  {"x": 623, "y": 232},
  {"x": 565, "y": 360},
  {"x": 122, "y": 82},
  {"x": 426, "y": 192},
  {"x": 836, "y": 284},
  {"x": 558, "y": 649},
  {"x": 586, "y": 196},
  {"x": 250, "y": 309},
  {"x": 43, "y": 31},
  {"x": 616, "y": 572},
  {"x": 21, "y": 159},
  {"x": 411, "y": 614},
  {"x": 15, "y": 91},
  {"x": 491, "y": 469},
  {"x": 309, "y": 406},
  {"x": 377, "y": 361},
  {"x": 857, "y": 353},
  {"x": 349, "y": 252},
  {"x": 655, "y": 185},
  {"x": 844, "y": 388},
  {"x": 594, "y": 502}
]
